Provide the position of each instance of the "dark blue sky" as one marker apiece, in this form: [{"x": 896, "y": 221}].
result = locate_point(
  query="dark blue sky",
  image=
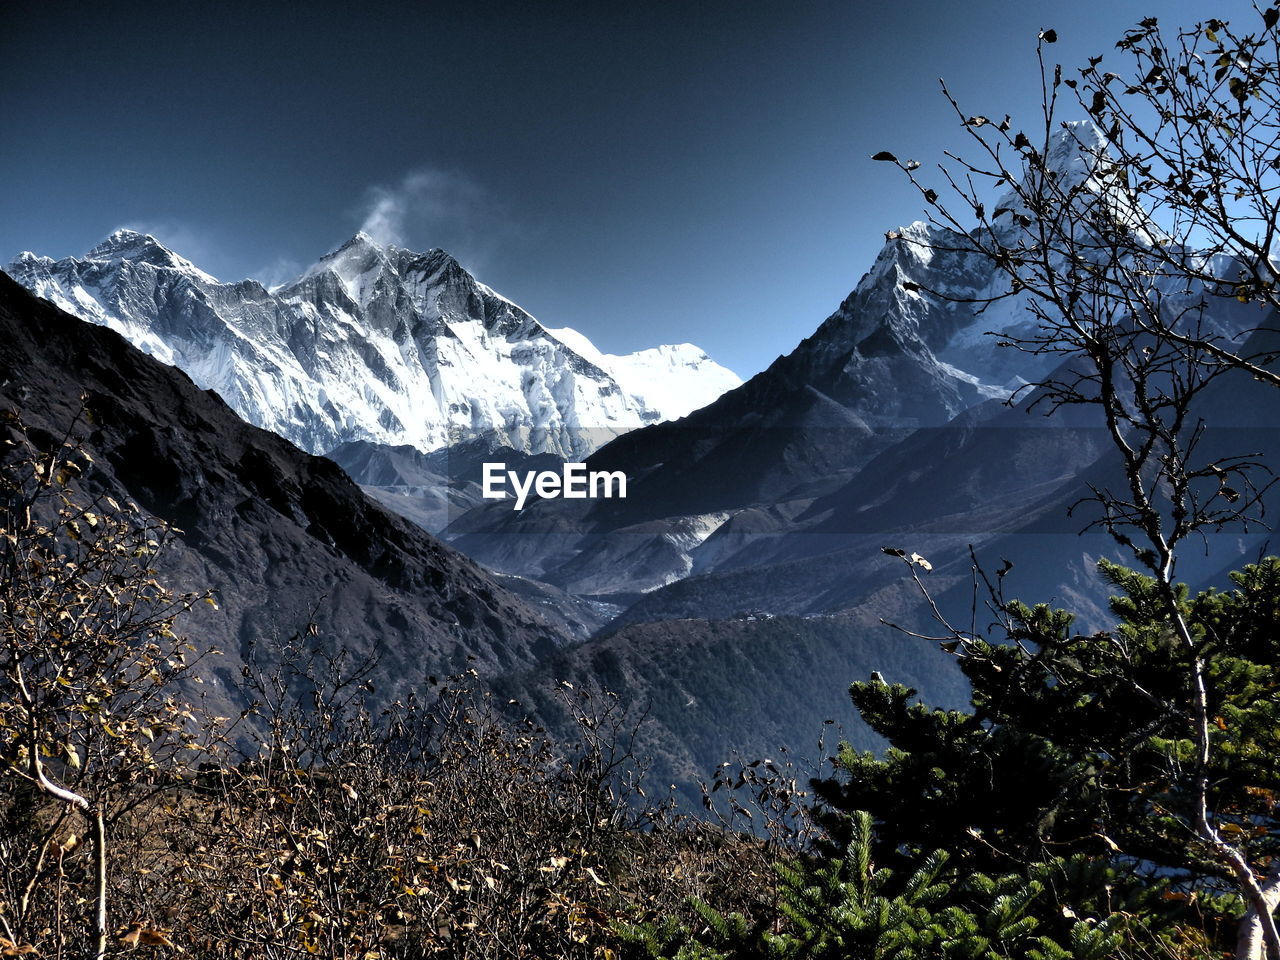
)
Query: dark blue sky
[{"x": 643, "y": 172}]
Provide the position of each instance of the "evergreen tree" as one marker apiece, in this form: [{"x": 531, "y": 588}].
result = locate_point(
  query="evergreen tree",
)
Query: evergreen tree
[
  {"x": 1079, "y": 746},
  {"x": 844, "y": 906}
]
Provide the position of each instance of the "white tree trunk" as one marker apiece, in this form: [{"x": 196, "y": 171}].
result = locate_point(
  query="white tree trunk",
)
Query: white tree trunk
[
  {"x": 100, "y": 883},
  {"x": 1252, "y": 943}
]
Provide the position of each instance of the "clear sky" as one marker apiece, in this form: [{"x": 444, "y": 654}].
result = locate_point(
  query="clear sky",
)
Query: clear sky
[{"x": 643, "y": 172}]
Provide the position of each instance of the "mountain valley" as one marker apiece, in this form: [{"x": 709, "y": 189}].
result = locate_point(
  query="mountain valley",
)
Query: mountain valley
[{"x": 752, "y": 541}]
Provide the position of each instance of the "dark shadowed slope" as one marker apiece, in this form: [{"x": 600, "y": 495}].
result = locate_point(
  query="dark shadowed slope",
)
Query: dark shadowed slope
[{"x": 283, "y": 538}]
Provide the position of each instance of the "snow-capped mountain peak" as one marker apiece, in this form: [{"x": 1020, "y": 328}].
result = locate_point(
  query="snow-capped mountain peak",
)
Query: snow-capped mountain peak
[
  {"x": 1075, "y": 151},
  {"x": 1078, "y": 170},
  {"x": 357, "y": 263},
  {"x": 143, "y": 248},
  {"x": 374, "y": 342}
]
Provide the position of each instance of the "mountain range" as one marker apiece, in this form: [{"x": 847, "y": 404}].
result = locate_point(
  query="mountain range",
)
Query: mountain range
[
  {"x": 899, "y": 417},
  {"x": 375, "y": 343},
  {"x": 291, "y": 547},
  {"x": 743, "y": 578}
]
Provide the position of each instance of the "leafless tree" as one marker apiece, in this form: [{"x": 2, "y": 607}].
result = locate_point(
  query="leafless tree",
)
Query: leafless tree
[{"x": 90, "y": 714}]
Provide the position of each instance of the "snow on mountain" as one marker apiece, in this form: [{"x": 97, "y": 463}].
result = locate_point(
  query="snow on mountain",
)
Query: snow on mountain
[
  {"x": 674, "y": 379},
  {"x": 144, "y": 248},
  {"x": 375, "y": 343}
]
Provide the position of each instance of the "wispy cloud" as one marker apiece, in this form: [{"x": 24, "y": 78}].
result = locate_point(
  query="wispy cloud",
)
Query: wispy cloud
[
  {"x": 278, "y": 272},
  {"x": 429, "y": 207}
]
